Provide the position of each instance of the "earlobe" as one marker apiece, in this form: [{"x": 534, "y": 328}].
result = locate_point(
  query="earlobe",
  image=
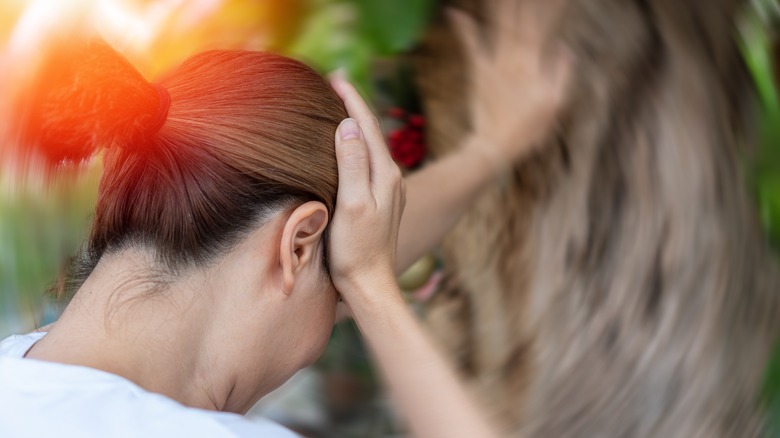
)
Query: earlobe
[{"x": 300, "y": 241}]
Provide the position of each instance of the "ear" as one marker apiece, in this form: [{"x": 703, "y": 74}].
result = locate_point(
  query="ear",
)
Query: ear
[{"x": 301, "y": 236}]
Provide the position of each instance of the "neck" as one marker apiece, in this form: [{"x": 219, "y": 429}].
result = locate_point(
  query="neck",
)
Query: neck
[{"x": 169, "y": 340}]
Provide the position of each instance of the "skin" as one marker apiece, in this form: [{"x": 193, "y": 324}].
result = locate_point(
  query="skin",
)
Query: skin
[
  {"x": 518, "y": 84},
  {"x": 190, "y": 343}
]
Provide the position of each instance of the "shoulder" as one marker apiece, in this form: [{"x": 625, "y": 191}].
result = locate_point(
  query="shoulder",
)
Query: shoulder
[
  {"x": 17, "y": 345},
  {"x": 49, "y": 399}
]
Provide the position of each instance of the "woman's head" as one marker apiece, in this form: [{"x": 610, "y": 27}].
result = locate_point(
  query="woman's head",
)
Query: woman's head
[
  {"x": 246, "y": 134},
  {"x": 232, "y": 181}
]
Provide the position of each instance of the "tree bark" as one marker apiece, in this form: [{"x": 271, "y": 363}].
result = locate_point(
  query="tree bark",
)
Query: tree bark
[{"x": 617, "y": 283}]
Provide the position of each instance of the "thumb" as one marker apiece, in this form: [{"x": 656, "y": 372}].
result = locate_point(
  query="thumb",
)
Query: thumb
[{"x": 352, "y": 160}]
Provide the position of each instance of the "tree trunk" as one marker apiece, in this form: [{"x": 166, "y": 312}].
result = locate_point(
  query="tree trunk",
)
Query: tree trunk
[{"x": 617, "y": 283}]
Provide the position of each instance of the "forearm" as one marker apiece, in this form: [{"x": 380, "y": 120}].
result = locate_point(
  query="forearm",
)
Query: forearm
[
  {"x": 420, "y": 381},
  {"x": 436, "y": 198}
]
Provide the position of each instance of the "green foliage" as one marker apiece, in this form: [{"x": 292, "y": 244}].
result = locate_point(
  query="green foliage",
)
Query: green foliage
[
  {"x": 757, "y": 38},
  {"x": 771, "y": 393},
  {"x": 393, "y": 27},
  {"x": 769, "y": 199},
  {"x": 757, "y": 50},
  {"x": 41, "y": 226},
  {"x": 351, "y": 34}
]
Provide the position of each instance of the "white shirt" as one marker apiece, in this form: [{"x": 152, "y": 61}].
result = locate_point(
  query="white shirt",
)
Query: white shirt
[{"x": 47, "y": 399}]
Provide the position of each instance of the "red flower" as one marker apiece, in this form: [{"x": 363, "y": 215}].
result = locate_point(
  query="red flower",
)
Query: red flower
[
  {"x": 416, "y": 121},
  {"x": 407, "y": 146},
  {"x": 407, "y": 143},
  {"x": 396, "y": 112}
]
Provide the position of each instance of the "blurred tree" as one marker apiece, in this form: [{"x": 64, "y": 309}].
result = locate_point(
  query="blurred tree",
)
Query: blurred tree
[
  {"x": 352, "y": 34},
  {"x": 41, "y": 227}
]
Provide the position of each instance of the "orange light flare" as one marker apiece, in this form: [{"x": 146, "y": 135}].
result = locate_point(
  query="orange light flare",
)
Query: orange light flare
[
  {"x": 31, "y": 26},
  {"x": 134, "y": 27},
  {"x": 153, "y": 34}
]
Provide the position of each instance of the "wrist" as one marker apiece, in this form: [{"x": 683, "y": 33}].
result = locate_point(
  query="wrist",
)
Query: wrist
[
  {"x": 494, "y": 153},
  {"x": 484, "y": 154},
  {"x": 363, "y": 286},
  {"x": 370, "y": 298}
]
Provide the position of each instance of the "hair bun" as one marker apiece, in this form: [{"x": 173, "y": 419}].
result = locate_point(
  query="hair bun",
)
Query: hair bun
[
  {"x": 161, "y": 114},
  {"x": 85, "y": 97}
]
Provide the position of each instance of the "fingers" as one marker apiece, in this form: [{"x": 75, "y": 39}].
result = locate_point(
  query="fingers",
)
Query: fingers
[
  {"x": 563, "y": 70},
  {"x": 507, "y": 18},
  {"x": 539, "y": 18},
  {"x": 379, "y": 154},
  {"x": 353, "y": 163},
  {"x": 522, "y": 22},
  {"x": 467, "y": 31},
  {"x": 549, "y": 12}
]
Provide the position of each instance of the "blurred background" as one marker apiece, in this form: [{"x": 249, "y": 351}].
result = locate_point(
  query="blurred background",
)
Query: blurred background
[{"x": 44, "y": 217}]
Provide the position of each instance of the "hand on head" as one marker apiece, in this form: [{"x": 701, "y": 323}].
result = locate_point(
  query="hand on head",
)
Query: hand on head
[
  {"x": 517, "y": 88},
  {"x": 369, "y": 205},
  {"x": 364, "y": 236}
]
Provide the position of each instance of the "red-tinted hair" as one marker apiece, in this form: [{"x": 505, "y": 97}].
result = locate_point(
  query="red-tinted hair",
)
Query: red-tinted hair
[{"x": 246, "y": 134}]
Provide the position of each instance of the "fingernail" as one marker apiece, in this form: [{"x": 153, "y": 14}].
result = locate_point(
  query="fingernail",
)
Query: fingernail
[{"x": 349, "y": 129}]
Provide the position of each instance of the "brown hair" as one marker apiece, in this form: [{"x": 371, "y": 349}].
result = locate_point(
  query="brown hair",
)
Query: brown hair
[{"x": 246, "y": 134}]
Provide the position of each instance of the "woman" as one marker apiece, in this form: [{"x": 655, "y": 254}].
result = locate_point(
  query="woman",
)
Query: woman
[{"x": 213, "y": 268}]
